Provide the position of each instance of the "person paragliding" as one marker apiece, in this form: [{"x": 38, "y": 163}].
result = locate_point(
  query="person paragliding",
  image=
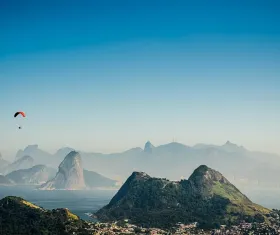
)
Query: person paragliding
[{"x": 19, "y": 114}]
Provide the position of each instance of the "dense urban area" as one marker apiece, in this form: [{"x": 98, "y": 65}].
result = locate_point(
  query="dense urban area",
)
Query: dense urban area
[{"x": 187, "y": 229}]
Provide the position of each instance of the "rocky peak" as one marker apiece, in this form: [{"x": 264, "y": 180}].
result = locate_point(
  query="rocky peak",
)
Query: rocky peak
[
  {"x": 139, "y": 175},
  {"x": 208, "y": 182},
  {"x": 31, "y": 147},
  {"x": 73, "y": 159},
  {"x": 148, "y": 147},
  {"x": 70, "y": 174},
  {"x": 136, "y": 176},
  {"x": 134, "y": 179},
  {"x": 204, "y": 175},
  {"x": 27, "y": 151},
  {"x": 228, "y": 143},
  {"x": 231, "y": 147}
]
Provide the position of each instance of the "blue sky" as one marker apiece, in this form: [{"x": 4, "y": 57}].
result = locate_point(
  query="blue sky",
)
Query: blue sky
[{"x": 110, "y": 75}]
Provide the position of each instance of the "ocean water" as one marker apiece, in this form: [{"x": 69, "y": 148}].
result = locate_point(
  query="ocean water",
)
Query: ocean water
[
  {"x": 267, "y": 197},
  {"x": 88, "y": 201},
  {"x": 78, "y": 202}
]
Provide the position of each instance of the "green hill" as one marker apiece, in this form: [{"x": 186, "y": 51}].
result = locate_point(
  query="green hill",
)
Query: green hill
[
  {"x": 206, "y": 197},
  {"x": 18, "y": 216}
]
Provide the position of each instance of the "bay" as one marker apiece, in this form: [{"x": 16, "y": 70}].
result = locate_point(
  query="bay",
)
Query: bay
[{"x": 79, "y": 202}]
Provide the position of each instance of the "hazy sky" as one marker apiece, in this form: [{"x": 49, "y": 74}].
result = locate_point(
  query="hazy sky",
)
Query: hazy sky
[{"x": 110, "y": 75}]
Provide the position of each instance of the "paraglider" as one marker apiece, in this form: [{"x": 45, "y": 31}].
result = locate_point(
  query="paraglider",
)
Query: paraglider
[
  {"x": 21, "y": 114},
  {"x": 17, "y": 113}
]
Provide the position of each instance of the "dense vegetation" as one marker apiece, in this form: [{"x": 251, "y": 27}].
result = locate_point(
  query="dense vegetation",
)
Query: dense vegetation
[
  {"x": 207, "y": 198},
  {"x": 18, "y": 216}
]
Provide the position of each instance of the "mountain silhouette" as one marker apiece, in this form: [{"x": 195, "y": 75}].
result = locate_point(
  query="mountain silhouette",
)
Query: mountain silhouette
[
  {"x": 35, "y": 175},
  {"x": 173, "y": 160},
  {"x": 207, "y": 197}
]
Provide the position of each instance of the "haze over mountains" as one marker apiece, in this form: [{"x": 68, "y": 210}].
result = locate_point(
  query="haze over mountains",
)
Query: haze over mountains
[
  {"x": 3, "y": 163},
  {"x": 72, "y": 176},
  {"x": 35, "y": 175},
  {"x": 174, "y": 161},
  {"x": 5, "y": 181},
  {"x": 24, "y": 162},
  {"x": 207, "y": 197}
]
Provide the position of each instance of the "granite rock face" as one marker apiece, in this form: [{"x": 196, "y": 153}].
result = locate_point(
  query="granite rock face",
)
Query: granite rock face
[
  {"x": 148, "y": 147},
  {"x": 70, "y": 174}
]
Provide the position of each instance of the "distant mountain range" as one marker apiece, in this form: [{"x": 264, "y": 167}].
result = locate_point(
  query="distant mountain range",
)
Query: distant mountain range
[
  {"x": 3, "y": 163},
  {"x": 5, "y": 181},
  {"x": 94, "y": 180},
  {"x": 174, "y": 161},
  {"x": 24, "y": 162},
  {"x": 70, "y": 173},
  {"x": 35, "y": 175},
  {"x": 207, "y": 197}
]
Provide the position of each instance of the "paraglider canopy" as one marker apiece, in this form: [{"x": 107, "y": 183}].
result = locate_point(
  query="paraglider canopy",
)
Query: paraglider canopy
[
  {"x": 17, "y": 114},
  {"x": 21, "y": 113}
]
